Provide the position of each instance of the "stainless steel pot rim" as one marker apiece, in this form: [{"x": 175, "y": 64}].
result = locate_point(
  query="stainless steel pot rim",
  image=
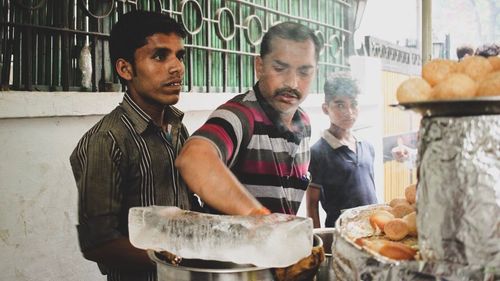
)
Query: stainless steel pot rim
[
  {"x": 233, "y": 267},
  {"x": 323, "y": 233}
]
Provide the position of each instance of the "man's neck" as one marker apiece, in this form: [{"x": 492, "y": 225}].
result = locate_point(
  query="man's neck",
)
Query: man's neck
[
  {"x": 341, "y": 134},
  {"x": 158, "y": 116},
  {"x": 287, "y": 120},
  {"x": 155, "y": 111}
]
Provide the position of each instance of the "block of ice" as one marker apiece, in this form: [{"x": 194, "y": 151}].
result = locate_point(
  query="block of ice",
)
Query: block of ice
[{"x": 275, "y": 240}]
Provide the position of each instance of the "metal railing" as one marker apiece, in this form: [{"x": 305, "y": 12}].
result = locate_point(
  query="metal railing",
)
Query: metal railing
[{"x": 54, "y": 45}]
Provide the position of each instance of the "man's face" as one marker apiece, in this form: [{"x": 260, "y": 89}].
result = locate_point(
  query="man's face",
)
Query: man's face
[
  {"x": 342, "y": 111},
  {"x": 286, "y": 73},
  {"x": 158, "y": 70}
]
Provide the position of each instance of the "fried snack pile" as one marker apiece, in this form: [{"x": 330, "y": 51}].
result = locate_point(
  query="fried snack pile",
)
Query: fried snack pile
[
  {"x": 474, "y": 76},
  {"x": 395, "y": 228},
  {"x": 399, "y": 219}
]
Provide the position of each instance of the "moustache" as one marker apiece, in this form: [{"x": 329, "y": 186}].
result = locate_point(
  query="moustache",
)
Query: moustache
[{"x": 287, "y": 91}]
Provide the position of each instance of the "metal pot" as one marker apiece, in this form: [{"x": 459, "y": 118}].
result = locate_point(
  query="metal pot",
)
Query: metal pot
[
  {"x": 195, "y": 269},
  {"x": 208, "y": 270},
  {"x": 325, "y": 272}
]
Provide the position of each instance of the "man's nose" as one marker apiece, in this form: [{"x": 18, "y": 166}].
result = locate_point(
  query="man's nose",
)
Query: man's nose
[
  {"x": 292, "y": 80},
  {"x": 176, "y": 67},
  {"x": 350, "y": 110}
]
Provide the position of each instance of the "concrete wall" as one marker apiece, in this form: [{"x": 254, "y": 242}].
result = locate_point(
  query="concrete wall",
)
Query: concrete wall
[{"x": 38, "y": 205}]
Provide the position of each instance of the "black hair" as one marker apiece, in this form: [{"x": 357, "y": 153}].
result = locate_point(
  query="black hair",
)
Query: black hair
[
  {"x": 486, "y": 50},
  {"x": 129, "y": 33},
  {"x": 340, "y": 84},
  {"x": 464, "y": 50},
  {"x": 289, "y": 31}
]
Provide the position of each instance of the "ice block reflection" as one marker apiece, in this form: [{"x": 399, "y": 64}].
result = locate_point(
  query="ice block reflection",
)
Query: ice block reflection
[{"x": 275, "y": 240}]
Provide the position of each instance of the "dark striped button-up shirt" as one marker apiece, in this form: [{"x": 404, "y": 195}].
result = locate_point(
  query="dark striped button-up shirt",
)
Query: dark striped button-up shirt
[{"x": 124, "y": 161}]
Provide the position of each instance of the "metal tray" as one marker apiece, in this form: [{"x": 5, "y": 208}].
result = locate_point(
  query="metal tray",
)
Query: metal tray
[{"x": 454, "y": 108}]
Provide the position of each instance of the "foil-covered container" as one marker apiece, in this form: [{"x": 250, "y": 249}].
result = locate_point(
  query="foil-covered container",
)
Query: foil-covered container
[
  {"x": 458, "y": 209},
  {"x": 351, "y": 262},
  {"x": 458, "y": 192}
]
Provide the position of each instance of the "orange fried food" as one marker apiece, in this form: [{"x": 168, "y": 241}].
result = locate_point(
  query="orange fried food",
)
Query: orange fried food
[
  {"x": 402, "y": 210},
  {"x": 379, "y": 218},
  {"x": 495, "y": 62},
  {"x": 476, "y": 67},
  {"x": 398, "y": 201},
  {"x": 490, "y": 85},
  {"x": 413, "y": 90},
  {"x": 390, "y": 249},
  {"x": 304, "y": 269},
  {"x": 437, "y": 70},
  {"x": 411, "y": 193},
  {"x": 456, "y": 86},
  {"x": 396, "y": 229},
  {"x": 411, "y": 221}
]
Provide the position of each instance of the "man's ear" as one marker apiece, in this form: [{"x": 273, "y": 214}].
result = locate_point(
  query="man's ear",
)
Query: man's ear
[
  {"x": 324, "y": 107},
  {"x": 259, "y": 67},
  {"x": 124, "y": 69}
]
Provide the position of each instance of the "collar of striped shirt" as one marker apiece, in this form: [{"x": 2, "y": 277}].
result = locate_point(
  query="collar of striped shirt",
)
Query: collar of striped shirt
[
  {"x": 274, "y": 116},
  {"x": 141, "y": 120}
]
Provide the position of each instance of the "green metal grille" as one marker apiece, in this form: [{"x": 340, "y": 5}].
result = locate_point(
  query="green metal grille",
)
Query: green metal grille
[{"x": 42, "y": 39}]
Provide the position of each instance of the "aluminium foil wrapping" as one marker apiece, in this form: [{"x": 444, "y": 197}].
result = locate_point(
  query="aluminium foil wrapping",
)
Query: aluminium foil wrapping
[
  {"x": 352, "y": 264},
  {"x": 458, "y": 191},
  {"x": 458, "y": 209}
]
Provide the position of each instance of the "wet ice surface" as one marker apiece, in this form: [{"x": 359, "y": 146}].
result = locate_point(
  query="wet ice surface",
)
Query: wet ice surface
[{"x": 275, "y": 240}]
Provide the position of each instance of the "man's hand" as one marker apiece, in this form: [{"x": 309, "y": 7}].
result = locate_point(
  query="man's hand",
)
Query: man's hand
[
  {"x": 401, "y": 153},
  {"x": 303, "y": 270},
  {"x": 170, "y": 257},
  {"x": 259, "y": 212}
]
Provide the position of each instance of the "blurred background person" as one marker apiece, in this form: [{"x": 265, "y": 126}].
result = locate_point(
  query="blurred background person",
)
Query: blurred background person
[
  {"x": 463, "y": 51},
  {"x": 341, "y": 164},
  {"x": 488, "y": 50}
]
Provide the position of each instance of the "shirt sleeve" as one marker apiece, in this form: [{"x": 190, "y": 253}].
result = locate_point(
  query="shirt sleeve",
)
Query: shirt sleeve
[
  {"x": 95, "y": 164},
  {"x": 228, "y": 128},
  {"x": 315, "y": 170}
]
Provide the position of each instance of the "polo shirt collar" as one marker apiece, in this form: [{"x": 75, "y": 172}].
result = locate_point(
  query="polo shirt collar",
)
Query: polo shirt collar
[
  {"x": 274, "y": 115},
  {"x": 332, "y": 140},
  {"x": 141, "y": 120}
]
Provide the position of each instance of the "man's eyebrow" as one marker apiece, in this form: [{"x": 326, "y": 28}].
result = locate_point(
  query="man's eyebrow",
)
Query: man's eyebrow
[
  {"x": 281, "y": 63},
  {"x": 284, "y": 64},
  {"x": 162, "y": 49},
  {"x": 306, "y": 66},
  {"x": 181, "y": 52}
]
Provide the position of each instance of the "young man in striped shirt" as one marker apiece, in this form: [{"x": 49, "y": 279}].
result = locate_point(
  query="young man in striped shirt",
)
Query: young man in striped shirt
[{"x": 127, "y": 158}]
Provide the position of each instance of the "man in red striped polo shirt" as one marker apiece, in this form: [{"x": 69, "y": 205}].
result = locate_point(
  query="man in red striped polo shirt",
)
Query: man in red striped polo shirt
[{"x": 252, "y": 155}]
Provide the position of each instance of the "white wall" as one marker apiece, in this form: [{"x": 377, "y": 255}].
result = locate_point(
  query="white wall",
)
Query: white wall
[{"x": 38, "y": 202}]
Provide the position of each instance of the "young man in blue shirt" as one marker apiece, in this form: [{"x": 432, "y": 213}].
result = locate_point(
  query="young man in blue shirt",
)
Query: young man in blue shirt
[{"x": 341, "y": 165}]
